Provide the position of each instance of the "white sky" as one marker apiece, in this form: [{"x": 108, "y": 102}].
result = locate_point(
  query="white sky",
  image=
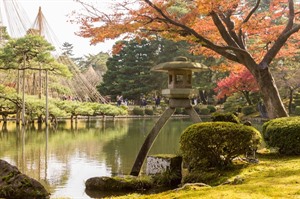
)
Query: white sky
[{"x": 55, "y": 12}]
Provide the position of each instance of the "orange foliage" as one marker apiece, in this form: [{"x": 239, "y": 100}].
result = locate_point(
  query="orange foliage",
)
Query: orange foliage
[{"x": 196, "y": 25}]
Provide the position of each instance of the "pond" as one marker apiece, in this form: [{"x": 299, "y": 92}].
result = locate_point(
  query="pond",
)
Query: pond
[{"x": 63, "y": 158}]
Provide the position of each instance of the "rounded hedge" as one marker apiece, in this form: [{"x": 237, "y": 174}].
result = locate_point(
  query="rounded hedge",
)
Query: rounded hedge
[
  {"x": 225, "y": 117},
  {"x": 297, "y": 110},
  {"x": 215, "y": 144},
  {"x": 284, "y": 134},
  {"x": 212, "y": 108},
  {"x": 149, "y": 111},
  {"x": 138, "y": 111},
  {"x": 247, "y": 110}
]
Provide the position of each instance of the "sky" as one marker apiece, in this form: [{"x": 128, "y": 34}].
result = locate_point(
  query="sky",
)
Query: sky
[{"x": 55, "y": 12}]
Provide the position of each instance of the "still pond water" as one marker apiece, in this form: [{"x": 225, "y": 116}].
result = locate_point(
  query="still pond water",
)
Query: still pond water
[{"x": 62, "y": 159}]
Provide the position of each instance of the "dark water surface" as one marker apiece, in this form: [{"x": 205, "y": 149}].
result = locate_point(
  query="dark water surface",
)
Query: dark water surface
[{"x": 62, "y": 159}]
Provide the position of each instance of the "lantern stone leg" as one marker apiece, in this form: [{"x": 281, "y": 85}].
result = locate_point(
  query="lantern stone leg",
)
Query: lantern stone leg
[
  {"x": 193, "y": 114},
  {"x": 149, "y": 141}
]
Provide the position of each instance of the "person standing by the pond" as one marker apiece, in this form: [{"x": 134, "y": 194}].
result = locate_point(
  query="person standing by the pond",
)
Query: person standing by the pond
[
  {"x": 119, "y": 100},
  {"x": 157, "y": 101}
]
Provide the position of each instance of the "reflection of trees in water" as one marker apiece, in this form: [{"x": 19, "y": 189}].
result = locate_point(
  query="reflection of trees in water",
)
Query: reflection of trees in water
[
  {"x": 46, "y": 157},
  {"x": 121, "y": 153}
]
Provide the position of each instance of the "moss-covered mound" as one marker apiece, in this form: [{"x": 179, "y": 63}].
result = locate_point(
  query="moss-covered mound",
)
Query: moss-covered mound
[
  {"x": 216, "y": 144},
  {"x": 283, "y": 133},
  {"x": 14, "y": 184},
  {"x": 127, "y": 183}
]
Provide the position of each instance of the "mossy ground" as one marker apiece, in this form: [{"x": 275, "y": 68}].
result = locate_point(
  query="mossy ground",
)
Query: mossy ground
[{"x": 273, "y": 177}]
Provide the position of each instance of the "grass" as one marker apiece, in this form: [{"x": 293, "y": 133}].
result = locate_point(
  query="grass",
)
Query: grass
[{"x": 273, "y": 177}]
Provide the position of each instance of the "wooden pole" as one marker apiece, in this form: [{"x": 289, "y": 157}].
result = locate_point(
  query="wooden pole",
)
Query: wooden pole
[
  {"x": 47, "y": 111},
  {"x": 23, "y": 92}
]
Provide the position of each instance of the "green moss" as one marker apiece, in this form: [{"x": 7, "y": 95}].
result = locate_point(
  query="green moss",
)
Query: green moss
[
  {"x": 164, "y": 155},
  {"x": 8, "y": 177}
]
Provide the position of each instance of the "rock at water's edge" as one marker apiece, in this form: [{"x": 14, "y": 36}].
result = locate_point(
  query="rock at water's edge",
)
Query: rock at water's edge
[{"x": 14, "y": 184}]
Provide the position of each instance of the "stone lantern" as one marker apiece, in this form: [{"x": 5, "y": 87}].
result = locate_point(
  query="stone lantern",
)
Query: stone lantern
[
  {"x": 179, "y": 89},
  {"x": 179, "y": 92}
]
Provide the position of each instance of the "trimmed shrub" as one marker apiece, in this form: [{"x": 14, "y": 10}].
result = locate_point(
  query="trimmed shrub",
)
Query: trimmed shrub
[
  {"x": 138, "y": 111},
  {"x": 297, "y": 102},
  {"x": 149, "y": 111},
  {"x": 297, "y": 110},
  {"x": 225, "y": 117},
  {"x": 247, "y": 110},
  {"x": 215, "y": 144},
  {"x": 204, "y": 111},
  {"x": 212, "y": 108},
  {"x": 284, "y": 134}
]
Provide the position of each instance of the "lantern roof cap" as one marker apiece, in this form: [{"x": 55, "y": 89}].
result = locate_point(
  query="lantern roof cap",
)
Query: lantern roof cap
[{"x": 179, "y": 63}]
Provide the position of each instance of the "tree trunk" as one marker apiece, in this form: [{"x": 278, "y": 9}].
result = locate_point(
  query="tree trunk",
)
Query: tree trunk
[
  {"x": 291, "y": 93},
  {"x": 247, "y": 97},
  {"x": 270, "y": 94}
]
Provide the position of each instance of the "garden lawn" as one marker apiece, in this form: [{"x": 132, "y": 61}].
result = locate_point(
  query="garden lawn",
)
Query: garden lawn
[{"x": 272, "y": 177}]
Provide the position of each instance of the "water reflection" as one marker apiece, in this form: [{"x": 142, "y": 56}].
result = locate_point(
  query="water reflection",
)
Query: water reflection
[{"x": 62, "y": 158}]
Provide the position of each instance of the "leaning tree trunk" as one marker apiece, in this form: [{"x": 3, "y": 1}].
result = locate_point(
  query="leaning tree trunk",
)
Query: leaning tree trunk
[{"x": 270, "y": 94}]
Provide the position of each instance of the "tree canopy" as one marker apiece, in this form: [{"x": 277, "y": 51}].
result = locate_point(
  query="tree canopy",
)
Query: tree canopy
[{"x": 249, "y": 33}]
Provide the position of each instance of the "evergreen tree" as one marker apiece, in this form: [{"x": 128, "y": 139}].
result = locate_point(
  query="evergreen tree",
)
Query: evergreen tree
[
  {"x": 67, "y": 49},
  {"x": 129, "y": 71}
]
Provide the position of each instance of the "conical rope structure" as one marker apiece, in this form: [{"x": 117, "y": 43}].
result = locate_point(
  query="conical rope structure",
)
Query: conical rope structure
[{"x": 81, "y": 87}]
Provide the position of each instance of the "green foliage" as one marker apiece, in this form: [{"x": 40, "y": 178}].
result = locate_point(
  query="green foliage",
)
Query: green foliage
[
  {"x": 297, "y": 102},
  {"x": 234, "y": 103},
  {"x": 204, "y": 111},
  {"x": 284, "y": 134},
  {"x": 180, "y": 111},
  {"x": 215, "y": 144},
  {"x": 98, "y": 62},
  {"x": 247, "y": 110},
  {"x": 203, "y": 176},
  {"x": 212, "y": 108},
  {"x": 167, "y": 179},
  {"x": 138, "y": 111},
  {"x": 149, "y": 111},
  {"x": 297, "y": 110},
  {"x": 225, "y": 117},
  {"x": 129, "y": 73},
  {"x": 67, "y": 49},
  {"x": 32, "y": 52}
]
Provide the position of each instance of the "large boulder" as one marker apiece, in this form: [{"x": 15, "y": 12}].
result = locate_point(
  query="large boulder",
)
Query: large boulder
[{"x": 15, "y": 185}]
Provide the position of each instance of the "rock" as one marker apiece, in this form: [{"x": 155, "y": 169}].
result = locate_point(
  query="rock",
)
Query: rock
[
  {"x": 187, "y": 186},
  {"x": 127, "y": 183},
  {"x": 14, "y": 184}
]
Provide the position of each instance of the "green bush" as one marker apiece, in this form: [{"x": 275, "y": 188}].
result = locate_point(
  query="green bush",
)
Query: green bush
[
  {"x": 215, "y": 144},
  {"x": 284, "y": 134},
  {"x": 225, "y": 117},
  {"x": 212, "y": 108},
  {"x": 297, "y": 102},
  {"x": 138, "y": 111},
  {"x": 180, "y": 111},
  {"x": 149, "y": 111},
  {"x": 297, "y": 110},
  {"x": 204, "y": 111},
  {"x": 247, "y": 110}
]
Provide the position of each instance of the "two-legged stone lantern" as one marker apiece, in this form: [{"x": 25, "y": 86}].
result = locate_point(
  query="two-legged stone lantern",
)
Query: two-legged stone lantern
[{"x": 179, "y": 92}]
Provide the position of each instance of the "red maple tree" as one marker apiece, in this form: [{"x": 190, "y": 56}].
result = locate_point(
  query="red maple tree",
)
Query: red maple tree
[
  {"x": 251, "y": 33},
  {"x": 241, "y": 81}
]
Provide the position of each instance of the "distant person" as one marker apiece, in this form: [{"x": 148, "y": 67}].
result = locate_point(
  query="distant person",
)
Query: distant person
[
  {"x": 119, "y": 100},
  {"x": 157, "y": 101}
]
